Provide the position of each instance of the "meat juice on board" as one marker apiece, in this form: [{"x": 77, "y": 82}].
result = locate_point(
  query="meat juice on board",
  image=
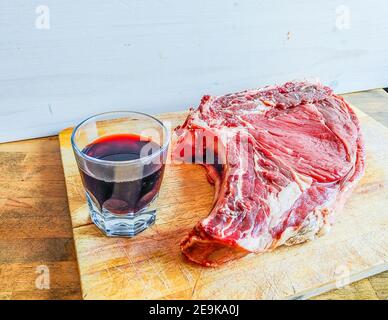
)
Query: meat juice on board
[{"x": 123, "y": 197}]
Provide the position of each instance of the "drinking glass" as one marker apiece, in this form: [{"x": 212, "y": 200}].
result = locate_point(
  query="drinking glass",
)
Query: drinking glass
[{"x": 121, "y": 159}]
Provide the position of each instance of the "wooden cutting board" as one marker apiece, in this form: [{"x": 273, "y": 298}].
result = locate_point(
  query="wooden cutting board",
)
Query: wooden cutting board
[{"x": 150, "y": 266}]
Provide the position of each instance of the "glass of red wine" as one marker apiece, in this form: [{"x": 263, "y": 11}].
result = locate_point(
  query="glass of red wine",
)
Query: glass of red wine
[{"x": 121, "y": 159}]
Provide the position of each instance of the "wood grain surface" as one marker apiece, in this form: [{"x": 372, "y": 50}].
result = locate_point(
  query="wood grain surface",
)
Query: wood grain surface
[
  {"x": 35, "y": 229},
  {"x": 35, "y": 222},
  {"x": 151, "y": 266}
]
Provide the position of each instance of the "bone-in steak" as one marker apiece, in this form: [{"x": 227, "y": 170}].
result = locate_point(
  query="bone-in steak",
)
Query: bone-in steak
[{"x": 285, "y": 159}]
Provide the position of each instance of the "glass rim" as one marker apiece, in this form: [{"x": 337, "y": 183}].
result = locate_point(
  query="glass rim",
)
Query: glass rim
[{"x": 124, "y": 162}]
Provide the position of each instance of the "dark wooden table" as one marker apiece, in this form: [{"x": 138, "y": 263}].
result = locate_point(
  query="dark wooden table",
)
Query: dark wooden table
[{"x": 35, "y": 232}]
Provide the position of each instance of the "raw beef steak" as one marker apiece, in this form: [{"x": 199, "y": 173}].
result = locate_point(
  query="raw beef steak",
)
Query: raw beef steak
[{"x": 283, "y": 160}]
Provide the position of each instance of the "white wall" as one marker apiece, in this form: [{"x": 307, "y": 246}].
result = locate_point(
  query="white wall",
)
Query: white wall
[{"x": 163, "y": 55}]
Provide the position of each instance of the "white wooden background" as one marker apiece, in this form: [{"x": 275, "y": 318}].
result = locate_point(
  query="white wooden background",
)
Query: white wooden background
[{"x": 163, "y": 55}]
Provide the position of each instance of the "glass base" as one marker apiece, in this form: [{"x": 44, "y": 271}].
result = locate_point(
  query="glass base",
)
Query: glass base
[{"x": 114, "y": 225}]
